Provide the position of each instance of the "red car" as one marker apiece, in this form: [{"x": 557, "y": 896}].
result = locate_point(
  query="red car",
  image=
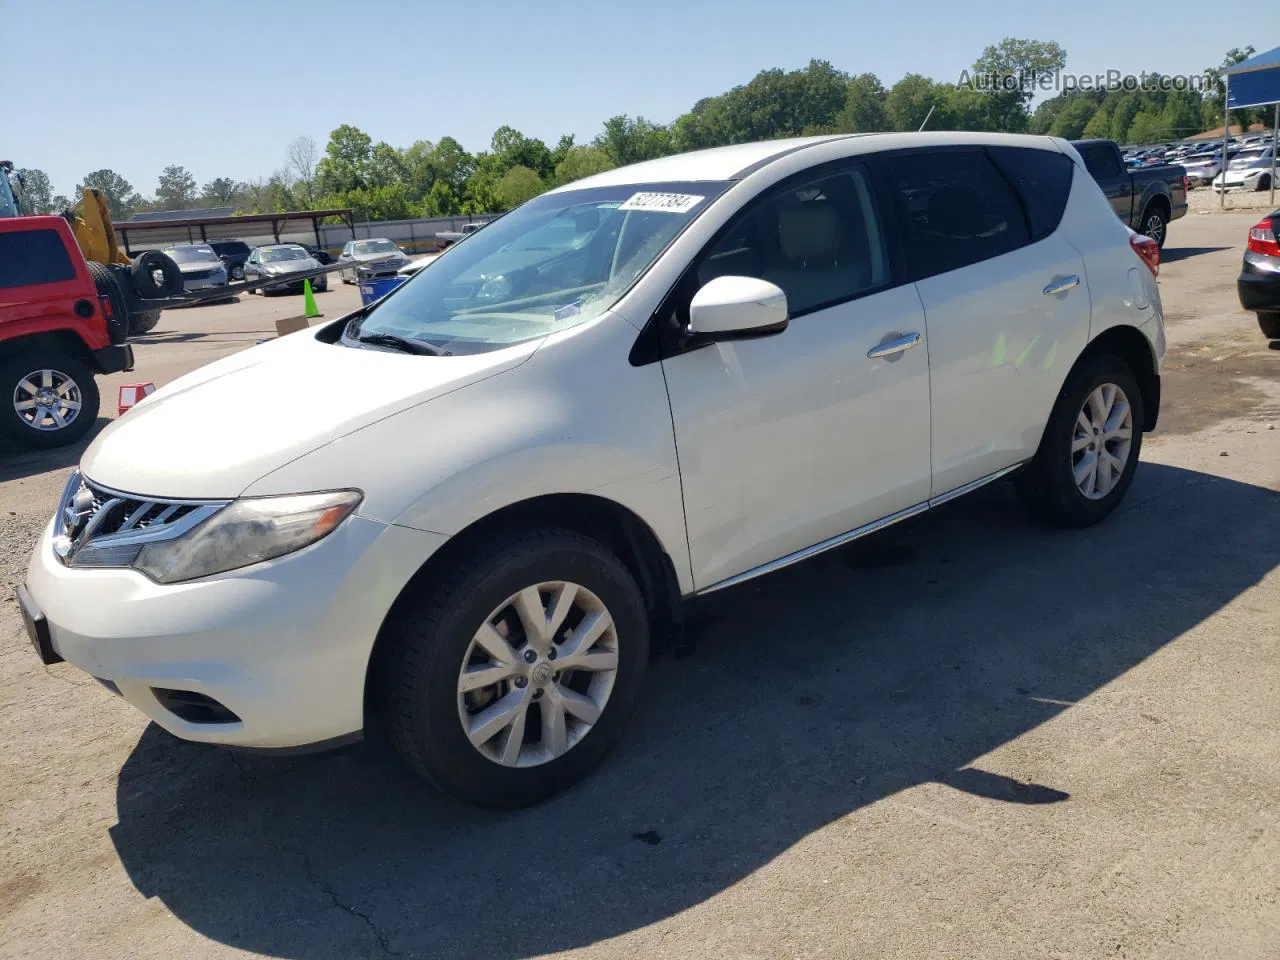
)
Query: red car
[{"x": 62, "y": 322}]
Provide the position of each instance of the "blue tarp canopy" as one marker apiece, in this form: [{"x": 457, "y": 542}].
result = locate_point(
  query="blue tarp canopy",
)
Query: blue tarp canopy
[{"x": 1255, "y": 81}]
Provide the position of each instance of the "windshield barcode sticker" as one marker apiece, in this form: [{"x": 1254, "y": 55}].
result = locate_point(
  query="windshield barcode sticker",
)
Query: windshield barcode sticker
[{"x": 662, "y": 202}]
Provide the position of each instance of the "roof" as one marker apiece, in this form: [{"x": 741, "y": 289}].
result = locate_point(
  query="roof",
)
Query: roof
[
  {"x": 1254, "y": 82},
  {"x": 737, "y": 161}
]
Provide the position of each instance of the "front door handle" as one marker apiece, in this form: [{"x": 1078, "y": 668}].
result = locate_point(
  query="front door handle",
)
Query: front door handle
[
  {"x": 1061, "y": 285},
  {"x": 893, "y": 347}
]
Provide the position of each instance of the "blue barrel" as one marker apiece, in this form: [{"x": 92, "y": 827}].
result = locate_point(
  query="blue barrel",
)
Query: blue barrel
[{"x": 371, "y": 290}]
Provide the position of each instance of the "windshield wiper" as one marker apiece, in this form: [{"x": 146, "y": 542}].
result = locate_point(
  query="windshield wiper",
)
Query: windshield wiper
[{"x": 403, "y": 344}]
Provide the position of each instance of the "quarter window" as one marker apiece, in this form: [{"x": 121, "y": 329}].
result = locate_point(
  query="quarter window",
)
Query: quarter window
[
  {"x": 1043, "y": 180},
  {"x": 820, "y": 241},
  {"x": 30, "y": 257},
  {"x": 1100, "y": 160},
  {"x": 955, "y": 208}
]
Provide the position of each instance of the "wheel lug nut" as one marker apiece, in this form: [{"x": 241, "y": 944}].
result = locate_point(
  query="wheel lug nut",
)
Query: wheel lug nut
[
  {"x": 551, "y": 654},
  {"x": 521, "y": 682},
  {"x": 530, "y": 656}
]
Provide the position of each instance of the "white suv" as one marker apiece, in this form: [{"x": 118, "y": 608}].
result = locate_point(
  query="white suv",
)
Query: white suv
[{"x": 475, "y": 506}]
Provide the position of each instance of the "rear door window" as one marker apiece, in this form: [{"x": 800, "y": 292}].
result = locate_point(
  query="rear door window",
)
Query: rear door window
[
  {"x": 32, "y": 257},
  {"x": 1042, "y": 179},
  {"x": 955, "y": 208}
]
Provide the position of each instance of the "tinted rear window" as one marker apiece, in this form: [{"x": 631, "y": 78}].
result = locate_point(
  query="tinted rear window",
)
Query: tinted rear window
[
  {"x": 957, "y": 209},
  {"x": 1043, "y": 180},
  {"x": 29, "y": 257},
  {"x": 1100, "y": 160}
]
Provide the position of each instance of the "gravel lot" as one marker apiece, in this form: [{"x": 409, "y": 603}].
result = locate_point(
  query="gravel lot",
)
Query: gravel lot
[{"x": 968, "y": 737}]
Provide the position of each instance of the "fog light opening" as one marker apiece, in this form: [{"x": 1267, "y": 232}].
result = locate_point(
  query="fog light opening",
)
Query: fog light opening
[{"x": 193, "y": 707}]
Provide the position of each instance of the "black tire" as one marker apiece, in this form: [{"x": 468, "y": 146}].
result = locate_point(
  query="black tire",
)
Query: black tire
[
  {"x": 141, "y": 323},
  {"x": 430, "y": 635},
  {"x": 108, "y": 286},
  {"x": 1048, "y": 486},
  {"x": 143, "y": 272},
  {"x": 14, "y": 429},
  {"x": 237, "y": 273},
  {"x": 1269, "y": 323},
  {"x": 1155, "y": 224},
  {"x": 1264, "y": 182}
]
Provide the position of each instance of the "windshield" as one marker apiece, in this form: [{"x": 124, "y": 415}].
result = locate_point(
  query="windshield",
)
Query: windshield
[
  {"x": 557, "y": 261},
  {"x": 375, "y": 246},
  {"x": 191, "y": 254},
  {"x": 277, "y": 254}
]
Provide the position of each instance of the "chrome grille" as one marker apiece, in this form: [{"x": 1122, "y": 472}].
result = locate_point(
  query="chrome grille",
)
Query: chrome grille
[{"x": 99, "y": 527}]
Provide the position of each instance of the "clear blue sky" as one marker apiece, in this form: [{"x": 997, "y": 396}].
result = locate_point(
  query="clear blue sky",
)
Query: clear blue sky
[{"x": 222, "y": 88}]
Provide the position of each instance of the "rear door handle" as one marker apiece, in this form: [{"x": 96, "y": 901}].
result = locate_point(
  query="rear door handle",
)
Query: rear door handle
[
  {"x": 1061, "y": 285},
  {"x": 893, "y": 347}
]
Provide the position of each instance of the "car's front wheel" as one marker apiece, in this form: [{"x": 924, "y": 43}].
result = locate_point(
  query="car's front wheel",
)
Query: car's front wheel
[
  {"x": 1090, "y": 447},
  {"x": 517, "y": 673}
]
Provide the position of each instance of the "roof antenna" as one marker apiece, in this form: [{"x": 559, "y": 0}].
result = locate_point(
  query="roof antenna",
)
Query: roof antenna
[{"x": 926, "y": 117}]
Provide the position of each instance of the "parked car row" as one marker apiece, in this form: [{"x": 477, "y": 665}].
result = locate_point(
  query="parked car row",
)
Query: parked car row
[{"x": 1203, "y": 162}]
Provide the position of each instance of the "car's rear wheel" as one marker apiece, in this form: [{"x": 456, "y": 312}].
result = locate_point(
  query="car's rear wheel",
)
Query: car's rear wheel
[
  {"x": 52, "y": 399},
  {"x": 517, "y": 673},
  {"x": 1090, "y": 448},
  {"x": 1155, "y": 225},
  {"x": 1270, "y": 325}
]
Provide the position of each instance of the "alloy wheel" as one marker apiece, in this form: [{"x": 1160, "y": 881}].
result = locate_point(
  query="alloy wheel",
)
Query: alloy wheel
[
  {"x": 537, "y": 674},
  {"x": 1102, "y": 441},
  {"x": 1154, "y": 227},
  {"x": 47, "y": 400}
]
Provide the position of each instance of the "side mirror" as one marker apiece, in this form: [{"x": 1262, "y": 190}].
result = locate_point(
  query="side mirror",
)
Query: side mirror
[{"x": 737, "y": 308}]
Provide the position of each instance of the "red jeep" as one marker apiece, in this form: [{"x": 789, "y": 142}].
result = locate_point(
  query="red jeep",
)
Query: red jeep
[{"x": 62, "y": 321}]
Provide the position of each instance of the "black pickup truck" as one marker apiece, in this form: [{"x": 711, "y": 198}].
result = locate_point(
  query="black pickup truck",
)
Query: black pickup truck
[{"x": 1146, "y": 198}]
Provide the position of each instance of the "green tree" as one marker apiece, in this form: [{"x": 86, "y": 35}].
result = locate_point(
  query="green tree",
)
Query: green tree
[
  {"x": 452, "y": 164},
  {"x": 1146, "y": 127},
  {"x": 1099, "y": 125},
  {"x": 518, "y": 185},
  {"x": 582, "y": 162},
  {"x": 440, "y": 201},
  {"x": 176, "y": 189},
  {"x": 220, "y": 192},
  {"x": 863, "y": 110},
  {"x": 1073, "y": 118},
  {"x": 345, "y": 164},
  {"x": 419, "y": 172},
  {"x": 512, "y": 148},
  {"x": 37, "y": 192},
  {"x": 386, "y": 166},
  {"x": 1021, "y": 62},
  {"x": 118, "y": 192},
  {"x": 908, "y": 101},
  {"x": 627, "y": 140}
]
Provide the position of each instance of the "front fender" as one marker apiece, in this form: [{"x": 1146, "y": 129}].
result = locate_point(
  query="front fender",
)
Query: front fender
[{"x": 575, "y": 418}]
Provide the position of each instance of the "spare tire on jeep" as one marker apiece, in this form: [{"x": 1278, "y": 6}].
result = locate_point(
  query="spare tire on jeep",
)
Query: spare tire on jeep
[
  {"x": 144, "y": 270},
  {"x": 109, "y": 289}
]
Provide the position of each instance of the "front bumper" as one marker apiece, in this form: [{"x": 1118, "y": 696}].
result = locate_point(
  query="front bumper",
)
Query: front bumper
[
  {"x": 284, "y": 645},
  {"x": 1259, "y": 283},
  {"x": 205, "y": 283}
]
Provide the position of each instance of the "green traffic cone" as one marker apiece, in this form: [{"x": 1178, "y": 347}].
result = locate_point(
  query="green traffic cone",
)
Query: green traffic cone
[{"x": 309, "y": 301}]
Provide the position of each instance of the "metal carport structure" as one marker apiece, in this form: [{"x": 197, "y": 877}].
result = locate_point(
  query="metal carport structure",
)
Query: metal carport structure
[
  {"x": 197, "y": 229},
  {"x": 1252, "y": 83}
]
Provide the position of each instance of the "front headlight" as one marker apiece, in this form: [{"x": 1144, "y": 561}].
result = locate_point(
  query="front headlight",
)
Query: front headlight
[{"x": 245, "y": 532}]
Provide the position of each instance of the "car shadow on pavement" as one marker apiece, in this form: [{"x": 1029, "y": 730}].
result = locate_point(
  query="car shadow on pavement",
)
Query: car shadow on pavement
[
  {"x": 1172, "y": 254},
  {"x": 16, "y": 464},
  {"x": 810, "y": 695}
]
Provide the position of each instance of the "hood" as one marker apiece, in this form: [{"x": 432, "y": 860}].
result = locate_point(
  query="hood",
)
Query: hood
[
  {"x": 290, "y": 266},
  {"x": 376, "y": 257},
  {"x": 200, "y": 266},
  {"x": 212, "y": 433}
]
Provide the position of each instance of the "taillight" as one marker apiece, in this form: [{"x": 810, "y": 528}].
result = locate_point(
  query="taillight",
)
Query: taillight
[
  {"x": 1186, "y": 184},
  {"x": 1148, "y": 250},
  {"x": 1262, "y": 239}
]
